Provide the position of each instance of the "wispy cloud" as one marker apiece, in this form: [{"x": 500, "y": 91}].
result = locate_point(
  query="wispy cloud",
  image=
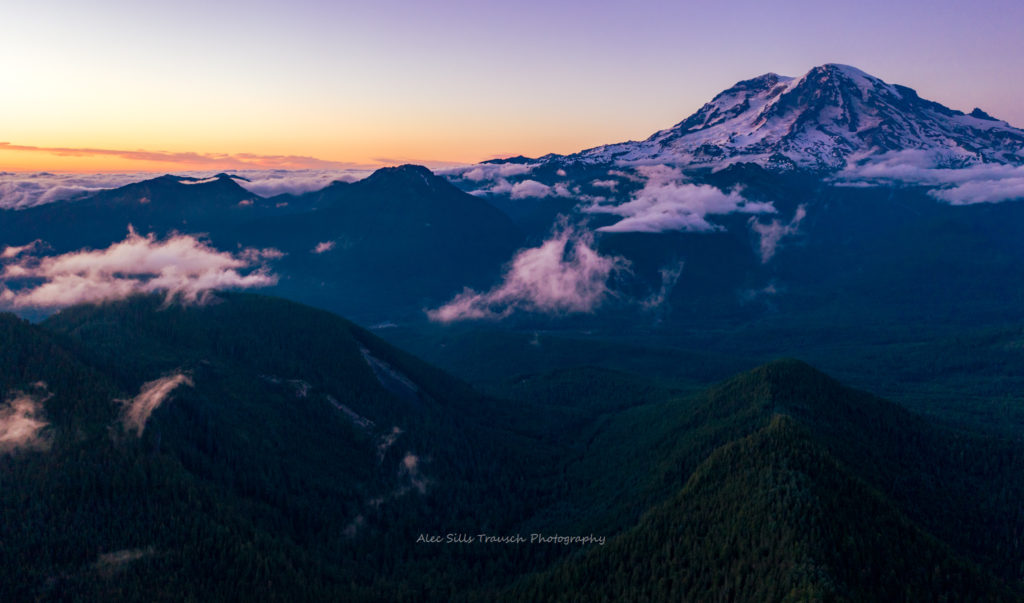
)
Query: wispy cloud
[
  {"x": 323, "y": 247},
  {"x": 980, "y": 183},
  {"x": 670, "y": 274},
  {"x": 181, "y": 266},
  {"x": 22, "y": 423},
  {"x": 13, "y": 252},
  {"x": 667, "y": 202},
  {"x": 386, "y": 441},
  {"x": 410, "y": 468},
  {"x": 151, "y": 395},
  {"x": 195, "y": 160},
  {"x": 773, "y": 232},
  {"x": 565, "y": 274}
]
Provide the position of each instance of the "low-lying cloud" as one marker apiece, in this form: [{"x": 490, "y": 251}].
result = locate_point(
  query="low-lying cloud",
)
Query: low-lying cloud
[
  {"x": 20, "y": 191},
  {"x": 773, "y": 232},
  {"x": 22, "y": 421},
  {"x": 13, "y": 252},
  {"x": 24, "y": 190},
  {"x": 386, "y": 441},
  {"x": 182, "y": 266},
  {"x": 979, "y": 183},
  {"x": 526, "y": 189},
  {"x": 564, "y": 275},
  {"x": 410, "y": 468},
  {"x": 667, "y": 202},
  {"x": 670, "y": 274},
  {"x": 151, "y": 395},
  {"x": 295, "y": 182},
  {"x": 323, "y": 247},
  {"x": 488, "y": 172}
]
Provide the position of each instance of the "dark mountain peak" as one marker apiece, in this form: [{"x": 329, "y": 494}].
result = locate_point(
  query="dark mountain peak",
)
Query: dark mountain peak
[
  {"x": 784, "y": 378},
  {"x": 407, "y": 178},
  {"x": 222, "y": 181},
  {"x": 981, "y": 115},
  {"x": 518, "y": 159},
  {"x": 757, "y": 84},
  {"x": 790, "y": 380},
  {"x": 405, "y": 169},
  {"x": 225, "y": 176}
]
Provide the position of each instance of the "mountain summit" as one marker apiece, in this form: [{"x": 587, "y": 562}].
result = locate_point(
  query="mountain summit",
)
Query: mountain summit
[{"x": 830, "y": 117}]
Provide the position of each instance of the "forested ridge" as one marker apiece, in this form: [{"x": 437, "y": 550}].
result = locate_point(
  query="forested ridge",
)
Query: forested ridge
[{"x": 304, "y": 457}]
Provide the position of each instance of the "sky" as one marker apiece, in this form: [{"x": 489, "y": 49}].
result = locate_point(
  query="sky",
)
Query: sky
[{"x": 118, "y": 85}]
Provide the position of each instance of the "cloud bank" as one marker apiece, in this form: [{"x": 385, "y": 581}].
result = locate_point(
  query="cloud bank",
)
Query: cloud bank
[
  {"x": 980, "y": 183},
  {"x": 181, "y": 266},
  {"x": 24, "y": 190},
  {"x": 295, "y": 182},
  {"x": 151, "y": 395},
  {"x": 773, "y": 232},
  {"x": 667, "y": 202},
  {"x": 22, "y": 421},
  {"x": 564, "y": 275},
  {"x": 488, "y": 172},
  {"x": 525, "y": 189},
  {"x": 20, "y": 191}
]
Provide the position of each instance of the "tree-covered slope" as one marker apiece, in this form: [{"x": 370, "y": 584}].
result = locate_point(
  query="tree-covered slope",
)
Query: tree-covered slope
[
  {"x": 781, "y": 484},
  {"x": 292, "y": 459},
  {"x": 254, "y": 448}
]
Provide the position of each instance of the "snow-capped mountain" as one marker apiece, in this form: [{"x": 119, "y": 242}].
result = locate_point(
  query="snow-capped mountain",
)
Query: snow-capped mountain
[{"x": 833, "y": 116}]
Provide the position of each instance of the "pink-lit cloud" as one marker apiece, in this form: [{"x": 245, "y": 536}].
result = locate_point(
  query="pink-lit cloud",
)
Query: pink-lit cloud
[
  {"x": 23, "y": 190},
  {"x": 323, "y": 247},
  {"x": 19, "y": 191},
  {"x": 487, "y": 172},
  {"x": 773, "y": 232},
  {"x": 13, "y": 252},
  {"x": 182, "y": 266},
  {"x": 526, "y": 189},
  {"x": 22, "y": 421},
  {"x": 668, "y": 203},
  {"x": 980, "y": 183},
  {"x": 564, "y": 275},
  {"x": 151, "y": 395}
]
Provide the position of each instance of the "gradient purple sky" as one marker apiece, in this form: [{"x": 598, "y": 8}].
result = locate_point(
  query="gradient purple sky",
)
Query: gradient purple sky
[{"x": 446, "y": 81}]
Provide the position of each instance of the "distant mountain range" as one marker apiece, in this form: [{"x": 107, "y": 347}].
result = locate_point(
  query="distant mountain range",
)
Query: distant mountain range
[
  {"x": 772, "y": 199},
  {"x": 400, "y": 240}
]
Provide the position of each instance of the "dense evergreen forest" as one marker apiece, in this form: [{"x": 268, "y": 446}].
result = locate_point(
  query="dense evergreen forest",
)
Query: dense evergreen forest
[{"x": 257, "y": 449}]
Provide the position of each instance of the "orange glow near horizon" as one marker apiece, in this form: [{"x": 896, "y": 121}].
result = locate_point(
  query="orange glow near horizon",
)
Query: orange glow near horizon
[
  {"x": 431, "y": 148},
  {"x": 226, "y": 85},
  {"x": 26, "y": 158}
]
